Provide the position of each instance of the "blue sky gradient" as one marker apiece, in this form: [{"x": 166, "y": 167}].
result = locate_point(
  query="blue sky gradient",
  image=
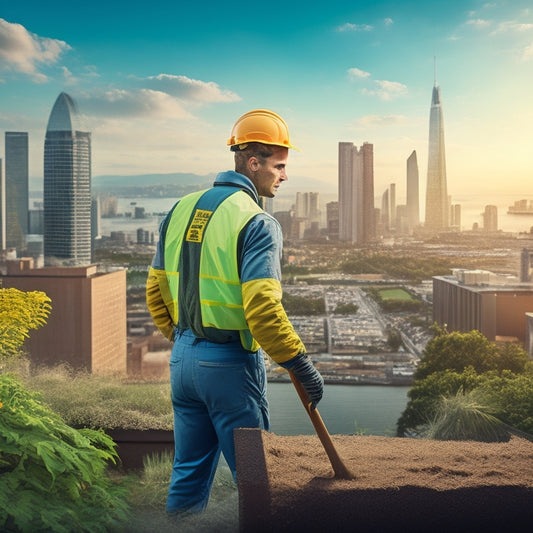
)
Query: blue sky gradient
[{"x": 160, "y": 84}]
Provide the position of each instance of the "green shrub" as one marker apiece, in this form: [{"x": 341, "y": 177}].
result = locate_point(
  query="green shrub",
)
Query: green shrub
[
  {"x": 466, "y": 416},
  {"x": 88, "y": 400},
  {"x": 52, "y": 477}
]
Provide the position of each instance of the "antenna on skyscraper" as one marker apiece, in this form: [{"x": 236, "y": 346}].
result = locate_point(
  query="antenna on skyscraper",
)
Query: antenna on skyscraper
[{"x": 435, "y": 70}]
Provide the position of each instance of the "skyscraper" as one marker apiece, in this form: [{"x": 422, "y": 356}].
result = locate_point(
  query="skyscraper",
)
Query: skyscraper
[
  {"x": 67, "y": 187},
  {"x": 437, "y": 205},
  {"x": 413, "y": 198},
  {"x": 490, "y": 218},
  {"x": 385, "y": 211},
  {"x": 356, "y": 193},
  {"x": 392, "y": 206},
  {"x": 16, "y": 188}
]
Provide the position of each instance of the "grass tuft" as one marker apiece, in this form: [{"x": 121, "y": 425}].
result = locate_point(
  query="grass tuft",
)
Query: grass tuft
[{"x": 465, "y": 417}]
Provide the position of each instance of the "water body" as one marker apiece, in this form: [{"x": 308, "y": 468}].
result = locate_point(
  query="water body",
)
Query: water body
[
  {"x": 472, "y": 207},
  {"x": 345, "y": 409}
]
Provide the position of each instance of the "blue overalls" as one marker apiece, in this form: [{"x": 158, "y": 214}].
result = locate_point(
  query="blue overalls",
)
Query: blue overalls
[{"x": 215, "y": 388}]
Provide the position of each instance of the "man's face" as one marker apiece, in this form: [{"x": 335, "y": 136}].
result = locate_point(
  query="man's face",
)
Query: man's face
[{"x": 267, "y": 176}]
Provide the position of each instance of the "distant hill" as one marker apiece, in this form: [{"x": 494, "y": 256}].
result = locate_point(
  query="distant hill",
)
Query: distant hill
[
  {"x": 141, "y": 180},
  {"x": 177, "y": 184}
]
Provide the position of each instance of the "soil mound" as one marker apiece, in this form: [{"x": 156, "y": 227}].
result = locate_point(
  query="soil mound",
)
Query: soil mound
[{"x": 287, "y": 484}]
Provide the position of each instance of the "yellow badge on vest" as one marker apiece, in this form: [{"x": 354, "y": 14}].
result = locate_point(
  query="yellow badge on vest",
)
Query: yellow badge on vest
[{"x": 195, "y": 233}]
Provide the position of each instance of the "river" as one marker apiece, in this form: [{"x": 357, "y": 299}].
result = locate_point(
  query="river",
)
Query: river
[{"x": 345, "y": 409}]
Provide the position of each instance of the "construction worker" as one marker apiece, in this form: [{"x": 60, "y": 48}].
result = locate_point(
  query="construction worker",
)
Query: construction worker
[{"x": 214, "y": 290}]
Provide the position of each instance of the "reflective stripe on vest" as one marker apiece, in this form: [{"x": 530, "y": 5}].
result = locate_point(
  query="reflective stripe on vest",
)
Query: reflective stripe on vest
[{"x": 208, "y": 225}]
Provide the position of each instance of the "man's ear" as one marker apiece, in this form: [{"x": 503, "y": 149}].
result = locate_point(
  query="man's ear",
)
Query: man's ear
[{"x": 253, "y": 164}]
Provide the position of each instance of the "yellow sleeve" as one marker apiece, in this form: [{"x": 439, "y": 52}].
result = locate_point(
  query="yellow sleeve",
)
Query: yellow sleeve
[
  {"x": 156, "y": 288},
  {"x": 268, "y": 322}
]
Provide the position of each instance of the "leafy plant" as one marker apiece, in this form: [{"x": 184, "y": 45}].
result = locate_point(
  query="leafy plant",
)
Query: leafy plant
[
  {"x": 52, "y": 477},
  {"x": 20, "y": 312}
]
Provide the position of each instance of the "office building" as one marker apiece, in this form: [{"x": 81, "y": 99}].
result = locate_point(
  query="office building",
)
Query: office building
[
  {"x": 437, "y": 210},
  {"x": 392, "y": 205},
  {"x": 413, "y": 195},
  {"x": 16, "y": 188},
  {"x": 480, "y": 300},
  {"x": 67, "y": 187},
  {"x": 268, "y": 205},
  {"x": 307, "y": 208},
  {"x": 385, "y": 211},
  {"x": 490, "y": 218},
  {"x": 87, "y": 325},
  {"x": 332, "y": 220},
  {"x": 525, "y": 265},
  {"x": 356, "y": 193}
]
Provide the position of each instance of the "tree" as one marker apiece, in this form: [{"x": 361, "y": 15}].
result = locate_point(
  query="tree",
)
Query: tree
[
  {"x": 454, "y": 362},
  {"x": 20, "y": 312},
  {"x": 394, "y": 339},
  {"x": 298, "y": 305},
  {"x": 457, "y": 351},
  {"x": 345, "y": 309}
]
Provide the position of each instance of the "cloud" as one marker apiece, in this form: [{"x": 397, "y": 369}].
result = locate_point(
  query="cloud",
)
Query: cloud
[
  {"x": 527, "y": 53},
  {"x": 386, "y": 90},
  {"x": 354, "y": 27},
  {"x": 137, "y": 103},
  {"x": 375, "y": 120},
  {"x": 357, "y": 73},
  {"x": 513, "y": 27},
  {"x": 189, "y": 89},
  {"x": 22, "y": 51},
  {"x": 383, "y": 89},
  {"x": 388, "y": 21},
  {"x": 479, "y": 23}
]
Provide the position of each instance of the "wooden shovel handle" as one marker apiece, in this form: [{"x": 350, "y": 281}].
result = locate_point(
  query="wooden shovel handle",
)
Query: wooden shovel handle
[{"x": 338, "y": 466}]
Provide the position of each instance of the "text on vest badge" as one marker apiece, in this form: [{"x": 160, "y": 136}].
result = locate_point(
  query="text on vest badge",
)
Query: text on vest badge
[{"x": 196, "y": 229}]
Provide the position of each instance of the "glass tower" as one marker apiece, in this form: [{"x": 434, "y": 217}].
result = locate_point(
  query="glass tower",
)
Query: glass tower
[
  {"x": 437, "y": 205},
  {"x": 67, "y": 187},
  {"x": 16, "y": 188}
]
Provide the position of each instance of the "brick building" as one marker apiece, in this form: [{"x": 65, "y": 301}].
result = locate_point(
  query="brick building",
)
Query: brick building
[{"x": 87, "y": 324}]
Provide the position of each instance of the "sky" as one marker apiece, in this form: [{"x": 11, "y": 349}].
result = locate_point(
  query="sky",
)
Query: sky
[{"x": 160, "y": 85}]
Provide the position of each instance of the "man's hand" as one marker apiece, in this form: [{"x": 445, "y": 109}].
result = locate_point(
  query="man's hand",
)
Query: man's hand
[{"x": 310, "y": 378}]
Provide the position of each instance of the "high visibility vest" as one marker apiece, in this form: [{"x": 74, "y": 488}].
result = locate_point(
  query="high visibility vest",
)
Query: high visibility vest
[{"x": 201, "y": 261}]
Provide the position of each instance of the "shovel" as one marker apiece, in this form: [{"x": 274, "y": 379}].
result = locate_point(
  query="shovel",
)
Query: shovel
[{"x": 339, "y": 468}]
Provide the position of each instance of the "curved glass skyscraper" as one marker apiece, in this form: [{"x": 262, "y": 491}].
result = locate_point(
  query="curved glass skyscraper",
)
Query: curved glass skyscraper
[
  {"x": 67, "y": 187},
  {"x": 437, "y": 204}
]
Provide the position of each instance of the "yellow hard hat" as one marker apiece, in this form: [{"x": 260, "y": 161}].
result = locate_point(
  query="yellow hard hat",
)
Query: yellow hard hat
[{"x": 262, "y": 126}]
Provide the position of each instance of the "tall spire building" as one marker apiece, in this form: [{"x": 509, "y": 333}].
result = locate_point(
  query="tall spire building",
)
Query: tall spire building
[
  {"x": 437, "y": 204},
  {"x": 356, "y": 193},
  {"x": 67, "y": 187}
]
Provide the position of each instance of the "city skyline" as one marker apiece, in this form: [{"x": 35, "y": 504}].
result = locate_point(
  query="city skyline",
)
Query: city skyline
[{"x": 160, "y": 90}]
